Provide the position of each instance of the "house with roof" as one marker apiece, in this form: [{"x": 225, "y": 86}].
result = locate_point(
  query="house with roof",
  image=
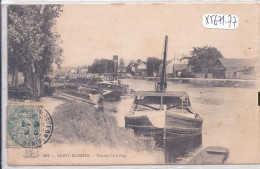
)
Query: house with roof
[
  {"x": 141, "y": 70},
  {"x": 72, "y": 71},
  {"x": 179, "y": 66},
  {"x": 83, "y": 71},
  {"x": 175, "y": 67},
  {"x": 234, "y": 69}
]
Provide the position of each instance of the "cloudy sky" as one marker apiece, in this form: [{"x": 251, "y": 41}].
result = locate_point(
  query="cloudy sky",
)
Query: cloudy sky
[{"x": 136, "y": 31}]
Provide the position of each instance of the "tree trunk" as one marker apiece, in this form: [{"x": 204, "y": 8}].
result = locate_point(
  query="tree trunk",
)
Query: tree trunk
[
  {"x": 15, "y": 77},
  {"x": 25, "y": 79},
  {"x": 37, "y": 81},
  {"x": 33, "y": 82}
]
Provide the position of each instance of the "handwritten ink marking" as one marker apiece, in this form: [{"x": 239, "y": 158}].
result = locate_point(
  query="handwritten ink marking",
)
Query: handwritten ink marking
[
  {"x": 220, "y": 21},
  {"x": 207, "y": 19},
  {"x": 234, "y": 21}
]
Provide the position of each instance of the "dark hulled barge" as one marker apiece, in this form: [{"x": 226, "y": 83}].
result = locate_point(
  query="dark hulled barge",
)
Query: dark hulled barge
[
  {"x": 154, "y": 113},
  {"x": 163, "y": 114}
]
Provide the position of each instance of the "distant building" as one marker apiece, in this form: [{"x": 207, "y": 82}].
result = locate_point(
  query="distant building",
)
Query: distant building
[
  {"x": 174, "y": 68},
  {"x": 122, "y": 72},
  {"x": 204, "y": 75},
  {"x": 141, "y": 70},
  {"x": 179, "y": 67},
  {"x": 72, "y": 71},
  {"x": 83, "y": 71},
  {"x": 234, "y": 69}
]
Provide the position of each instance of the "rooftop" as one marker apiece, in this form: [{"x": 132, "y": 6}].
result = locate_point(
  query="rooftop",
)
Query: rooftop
[
  {"x": 142, "y": 66},
  {"x": 241, "y": 63}
]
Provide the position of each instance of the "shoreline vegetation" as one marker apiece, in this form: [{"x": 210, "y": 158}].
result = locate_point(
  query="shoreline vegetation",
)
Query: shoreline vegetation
[
  {"x": 79, "y": 123},
  {"x": 208, "y": 82}
]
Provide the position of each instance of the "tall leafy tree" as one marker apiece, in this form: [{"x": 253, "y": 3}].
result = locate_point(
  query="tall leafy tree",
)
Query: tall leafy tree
[
  {"x": 129, "y": 68},
  {"x": 153, "y": 65},
  {"x": 203, "y": 58},
  {"x": 33, "y": 42},
  {"x": 102, "y": 66}
]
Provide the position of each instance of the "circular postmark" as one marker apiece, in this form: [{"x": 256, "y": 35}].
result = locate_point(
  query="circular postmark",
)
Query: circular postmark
[
  {"x": 29, "y": 126},
  {"x": 46, "y": 126}
]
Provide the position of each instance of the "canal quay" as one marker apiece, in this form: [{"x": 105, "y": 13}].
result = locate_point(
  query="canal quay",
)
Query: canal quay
[
  {"x": 228, "y": 117},
  {"x": 100, "y": 108}
]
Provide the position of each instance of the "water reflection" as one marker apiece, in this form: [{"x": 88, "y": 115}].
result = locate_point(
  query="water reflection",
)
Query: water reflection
[
  {"x": 108, "y": 106},
  {"x": 223, "y": 113},
  {"x": 175, "y": 150}
]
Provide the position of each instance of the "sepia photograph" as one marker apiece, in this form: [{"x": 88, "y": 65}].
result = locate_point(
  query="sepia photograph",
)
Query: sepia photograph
[{"x": 133, "y": 83}]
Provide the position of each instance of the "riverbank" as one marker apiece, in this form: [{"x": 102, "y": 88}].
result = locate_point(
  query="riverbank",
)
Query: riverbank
[
  {"x": 241, "y": 83},
  {"x": 231, "y": 119},
  {"x": 88, "y": 135},
  {"x": 80, "y": 123}
]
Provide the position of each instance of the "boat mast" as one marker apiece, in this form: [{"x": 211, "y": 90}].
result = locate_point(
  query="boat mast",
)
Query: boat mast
[{"x": 163, "y": 83}]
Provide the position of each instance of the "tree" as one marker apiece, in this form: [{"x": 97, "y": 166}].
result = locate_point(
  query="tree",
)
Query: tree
[
  {"x": 203, "y": 58},
  {"x": 102, "y": 66},
  {"x": 129, "y": 67},
  {"x": 153, "y": 65},
  {"x": 33, "y": 43},
  {"x": 121, "y": 62}
]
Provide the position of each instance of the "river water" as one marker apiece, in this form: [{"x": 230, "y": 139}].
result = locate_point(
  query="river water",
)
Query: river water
[{"x": 231, "y": 120}]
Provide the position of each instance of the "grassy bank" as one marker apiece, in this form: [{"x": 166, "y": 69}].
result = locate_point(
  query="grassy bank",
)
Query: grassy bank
[{"x": 80, "y": 123}]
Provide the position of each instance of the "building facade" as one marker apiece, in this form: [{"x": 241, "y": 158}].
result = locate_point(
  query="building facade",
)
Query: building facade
[
  {"x": 141, "y": 70},
  {"x": 234, "y": 69}
]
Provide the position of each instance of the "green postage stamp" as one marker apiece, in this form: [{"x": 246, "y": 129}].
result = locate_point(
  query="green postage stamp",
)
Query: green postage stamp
[{"x": 29, "y": 126}]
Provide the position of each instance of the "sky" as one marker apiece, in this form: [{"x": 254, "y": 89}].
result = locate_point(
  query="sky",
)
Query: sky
[{"x": 137, "y": 31}]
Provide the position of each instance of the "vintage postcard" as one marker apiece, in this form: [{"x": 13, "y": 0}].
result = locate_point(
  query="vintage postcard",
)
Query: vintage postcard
[{"x": 132, "y": 83}]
